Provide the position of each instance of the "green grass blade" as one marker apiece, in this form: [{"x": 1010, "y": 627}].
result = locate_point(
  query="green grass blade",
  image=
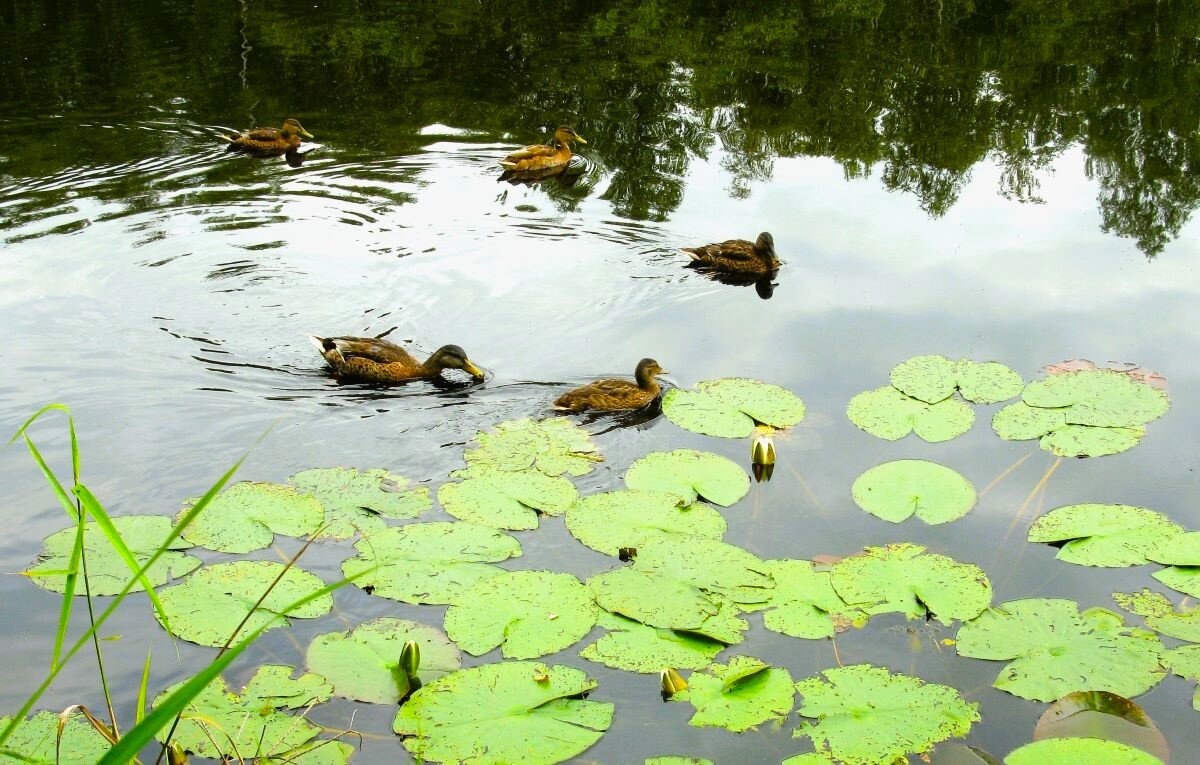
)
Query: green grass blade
[
  {"x": 47, "y": 408},
  {"x": 68, "y": 596},
  {"x": 63, "y": 497},
  {"x": 140, "y": 713}
]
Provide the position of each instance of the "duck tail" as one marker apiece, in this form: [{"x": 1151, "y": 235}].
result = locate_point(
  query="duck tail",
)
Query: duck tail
[{"x": 327, "y": 348}]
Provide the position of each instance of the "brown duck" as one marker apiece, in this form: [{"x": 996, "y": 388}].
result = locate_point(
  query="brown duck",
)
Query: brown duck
[
  {"x": 542, "y": 156},
  {"x": 269, "y": 142},
  {"x": 370, "y": 359},
  {"x": 615, "y": 395},
  {"x": 737, "y": 255}
]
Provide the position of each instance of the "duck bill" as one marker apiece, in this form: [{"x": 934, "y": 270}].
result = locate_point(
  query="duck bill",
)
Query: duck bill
[
  {"x": 306, "y": 134},
  {"x": 473, "y": 370},
  {"x": 579, "y": 138}
]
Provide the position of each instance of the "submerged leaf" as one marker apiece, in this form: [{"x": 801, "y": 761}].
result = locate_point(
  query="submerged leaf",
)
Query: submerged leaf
[
  {"x": 356, "y": 502},
  {"x": 690, "y": 474},
  {"x": 904, "y": 578},
  {"x": 1104, "y": 535},
  {"x": 246, "y": 516},
  {"x": 36, "y": 741},
  {"x": 506, "y": 499},
  {"x": 632, "y": 518},
  {"x": 897, "y": 490},
  {"x": 1079, "y": 751},
  {"x": 739, "y": 695},
  {"x": 731, "y": 406},
  {"x": 636, "y": 647}
]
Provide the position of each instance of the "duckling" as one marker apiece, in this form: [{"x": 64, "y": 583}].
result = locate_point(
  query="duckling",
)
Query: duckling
[
  {"x": 269, "y": 142},
  {"x": 371, "y": 359},
  {"x": 615, "y": 395},
  {"x": 542, "y": 156},
  {"x": 737, "y": 255}
]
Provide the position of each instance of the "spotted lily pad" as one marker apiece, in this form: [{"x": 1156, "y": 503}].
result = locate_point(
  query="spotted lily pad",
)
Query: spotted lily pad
[
  {"x": 934, "y": 378},
  {"x": 1104, "y": 535},
  {"x": 36, "y": 741},
  {"x": 632, "y": 518},
  {"x": 738, "y": 695},
  {"x": 1160, "y": 614},
  {"x": 356, "y": 502},
  {"x": 553, "y": 446},
  {"x": 514, "y": 712},
  {"x": 428, "y": 562},
  {"x": 803, "y": 603},
  {"x": 1178, "y": 550},
  {"x": 108, "y": 573},
  {"x": 1185, "y": 579},
  {"x": 891, "y": 415},
  {"x": 987, "y": 382},
  {"x": 1022, "y": 422},
  {"x": 526, "y": 613},
  {"x": 660, "y": 599},
  {"x": 898, "y": 490},
  {"x": 1185, "y": 662},
  {"x": 867, "y": 715},
  {"x": 1099, "y": 714},
  {"x": 690, "y": 474},
  {"x": 364, "y": 663},
  {"x": 731, "y": 406},
  {"x": 1098, "y": 397},
  {"x": 248, "y": 515},
  {"x": 506, "y": 499},
  {"x": 904, "y": 578},
  {"x": 1079, "y": 751},
  {"x": 636, "y": 647},
  {"x": 1056, "y": 650}
]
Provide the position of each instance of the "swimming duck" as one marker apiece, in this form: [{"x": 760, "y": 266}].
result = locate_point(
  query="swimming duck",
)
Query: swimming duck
[
  {"x": 269, "y": 142},
  {"x": 615, "y": 395},
  {"x": 542, "y": 156},
  {"x": 737, "y": 255},
  {"x": 371, "y": 359}
]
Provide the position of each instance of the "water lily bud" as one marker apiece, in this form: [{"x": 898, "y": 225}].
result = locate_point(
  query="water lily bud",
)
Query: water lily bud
[
  {"x": 176, "y": 755},
  {"x": 410, "y": 658},
  {"x": 672, "y": 682},
  {"x": 762, "y": 447}
]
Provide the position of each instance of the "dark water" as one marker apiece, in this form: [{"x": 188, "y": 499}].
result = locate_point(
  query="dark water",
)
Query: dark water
[{"x": 1009, "y": 181}]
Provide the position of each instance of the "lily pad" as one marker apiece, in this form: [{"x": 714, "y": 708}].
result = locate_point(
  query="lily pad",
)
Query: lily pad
[
  {"x": 1185, "y": 662},
  {"x": 660, "y": 599},
  {"x": 1098, "y": 397},
  {"x": 632, "y": 518},
  {"x": 897, "y": 490},
  {"x": 248, "y": 515},
  {"x": 506, "y": 499},
  {"x": 526, "y": 613},
  {"x": 553, "y": 446},
  {"x": 320, "y": 752},
  {"x": 636, "y": 647},
  {"x": 36, "y": 741},
  {"x": 1160, "y": 614},
  {"x": 891, "y": 415},
  {"x": 1079, "y": 751},
  {"x": 867, "y": 715},
  {"x": 1022, "y": 422},
  {"x": 218, "y": 722},
  {"x": 730, "y": 407},
  {"x": 1057, "y": 650},
  {"x": 1099, "y": 714},
  {"x": 364, "y": 663},
  {"x": 690, "y": 474},
  {"x": 208, "y": 606},
  {"x": 804, "y": 603},
  {"x": 428, "y": 562},
  {"x": 1179, "y": 550},
  {"x": 928, "y": 378},
  {"x": 1104, "y": 535},
  {"x": 108, "y": 573},
  {"x": 1185, "y": 579},
  {"x": 356, "y": 502},
  {"x": 675, "y": 759},
  {"x": 738, "y": 695},
  {"x": 987, "y": 382},
  {"x": 494, "y": 712},
  {"x": 904, "y": 578}
]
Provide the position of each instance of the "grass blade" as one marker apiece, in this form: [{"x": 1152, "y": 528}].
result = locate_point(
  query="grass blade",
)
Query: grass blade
[{"x": 140, "y": 713}]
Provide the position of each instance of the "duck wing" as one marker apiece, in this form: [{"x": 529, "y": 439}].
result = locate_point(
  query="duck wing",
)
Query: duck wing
[
  {"x": 530, "y": 152},
  {"x": 260, "y": 134},
  {"x": 602, "y": 394},
  {"x": 369, "y": 348},
  {"x": 738, "y": 250}
]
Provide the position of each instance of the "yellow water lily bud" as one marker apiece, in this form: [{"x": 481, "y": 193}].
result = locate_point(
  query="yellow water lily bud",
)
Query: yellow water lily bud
[
  {"x": 176, "y": 755},
  {"x": 762, "y": 446},
  {"x": 672, "y": 682}
]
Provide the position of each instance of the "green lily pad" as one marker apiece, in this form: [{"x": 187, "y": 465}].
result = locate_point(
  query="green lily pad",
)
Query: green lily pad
[
  {"x": 730, "y": 407},
  {"x": 804, "y": 604},
  {"x": 1179, "y": 550},
  {"x": 36, "y": 741},
  {"x": 526, "y": 613},
  {"x": 506, "y": 499},
  {"x": 675, "y": 759},
  {"x": 1021, "y": 422},
  {"x": 1160, "y": 614},
  {"x": 248, "y": 515},
  {"x": 904, "y": 578},
  {"x": 897, "y": 490},
  {"x": 1089, "y": 441},
  {"x": 554, "y": 446},
  {"x": 1185, "y": 579},
  {"x": 1104, "y": 535},
  {"x": 1103, "y": 715},
  {"x": 1079, "y": 751},
  {"x": 867, "y": 715},
  {"x": 1185, "y": 662},
  {"x": 636, "y": 647},
  {"x": 207, "y": 606},
  {"x": 428, "y": 562},
  {"x": 928, "y": 378},
  {"x": 514, "y": 712},
  {"x": 1057, "y": 650},
  {"x": 632, "y": 518},
  {"x": 108, "y": 573},
  {"x": 253, "y": 720},
  {"x": 987, "y": 382},
  {"x": 690, "y": 474},
  {"x": 356, "y": 502},
  {"x": 891, "y": 415},
  {"x": 660, "y": 599},
  {"x": 1098, "y": 397},
  {"x": 738, "y": 695},
  {"x": 364, "y": 663},
  {"x": 321, "y": 752}
]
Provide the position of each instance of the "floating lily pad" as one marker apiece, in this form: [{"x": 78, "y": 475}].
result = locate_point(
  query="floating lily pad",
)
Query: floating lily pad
[
  {"x": 674, "y": 759},
  {"x": 928, "y": 378},
  {"x": 891, "y": 415},
  {"x": 36, "y": 741},
  {"x": 554, "y": 446},
  {"x": 1178, "y": 550},
  {"x": 364, "y": 663},
  {"x": 867, "y": 715},
  {"x": 322, "y": 752},
  {"x": 526, "y": 613},
  {"x": 1079, "y": 751},
  {"x": 1022, "y": 422},
  {"x": 632, "y": 518},
  {"x": 1098, "y": 397},
  {"x": 804, "y": 604},
  {"x": 515, "y": 712},
  {"x": 690, "y": 474},
  {"x": 1160, "y": 614},
  {"x": 356, "y": 502},
  {"x": 248, "y": 515},
  {"x": 253, "y": 720},
  {"x": 1099, "y": 714},
  {"x": 731, "y": 406},
  {"x": 904, "y": 578},
  {"x": 108, "y": 573},
  {"x": 506, "y": 499},
  {"x": 1185, "y": 579},
  {"x": 987, "y": 382},
  {"x": 738, "y": 695},
  {"x": 1057, "y": 650},
  {"x": 1104, "y": 535},
  {"x": 897, "y": 490},
  {"x": 207, "y": 606},
  {"x": 428, "y": 562},
  {"x": 636, "y": 647},
  {"x": 660, "y": 599},
  {"x": 1185, "y": 662}
]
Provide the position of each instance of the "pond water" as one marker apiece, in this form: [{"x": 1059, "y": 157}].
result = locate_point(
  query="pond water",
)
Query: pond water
[{"x": 1010, "y": 181}]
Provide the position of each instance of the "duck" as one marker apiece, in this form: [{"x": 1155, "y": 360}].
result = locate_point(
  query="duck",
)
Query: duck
[
  {"x": 737, "y": 255},
  {"x": 615, "y": 395},
  {"x": 375, "y": 360},
  {"x": 269, "y": 142},
  {"x": 542, "y": 156}
]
